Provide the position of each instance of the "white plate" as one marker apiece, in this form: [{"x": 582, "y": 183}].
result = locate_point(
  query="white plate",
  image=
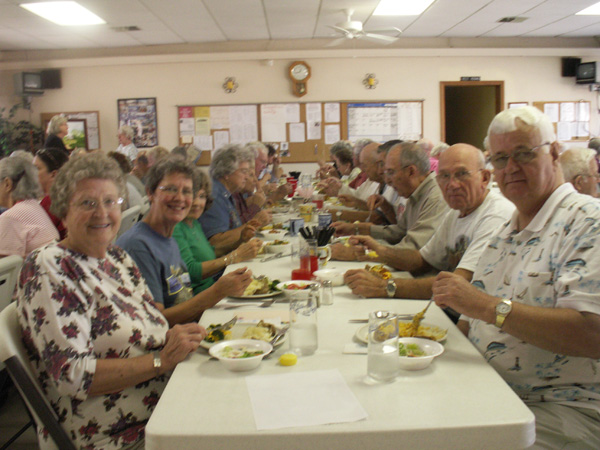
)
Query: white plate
[
  {"x": 257, "y": 296},
  {"x": 237, "y": 332},
  {"x": 362, "y": 334}
]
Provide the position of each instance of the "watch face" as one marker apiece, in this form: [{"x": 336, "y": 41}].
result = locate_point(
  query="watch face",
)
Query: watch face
[
  {"x": 503, "y": 308},
  {"x": 300, "y": 72}
]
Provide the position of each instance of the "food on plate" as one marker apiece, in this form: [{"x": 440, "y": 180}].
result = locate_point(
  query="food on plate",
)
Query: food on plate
[
  {"x": 296, "y": 287},
  {"x": 216, "y": 335},
  {"x": 384, "y": 331},
  {"x": 416, "y": 322},
  {"x": 262, "y": 331},
  {"x": 261, "y": 285},
  {"x": 272, "y": 227},
  {"x": 379, "y": 270},
  {"x": 424, "y": 331},
  {"x": 411, "y": 350},
  {"x": 277, "y": 242},
  {"x": 238, "y": 352}
]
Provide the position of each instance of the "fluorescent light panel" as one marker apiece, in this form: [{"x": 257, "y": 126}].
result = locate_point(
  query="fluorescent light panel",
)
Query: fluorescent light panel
[
  {"x": 593, "y": 10},
  {"x": 64, "y": 13},
  {"x": 401, "y": 7}
]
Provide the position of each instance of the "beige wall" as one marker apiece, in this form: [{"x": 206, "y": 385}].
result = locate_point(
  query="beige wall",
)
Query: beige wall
[{"x": 97, "y": 84}]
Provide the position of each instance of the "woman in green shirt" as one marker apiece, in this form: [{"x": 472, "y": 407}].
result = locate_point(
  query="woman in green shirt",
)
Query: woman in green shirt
[{"x": 198, "y": 254}]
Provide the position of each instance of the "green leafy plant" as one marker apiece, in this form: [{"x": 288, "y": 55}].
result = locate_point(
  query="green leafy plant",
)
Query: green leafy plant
[{"x": 16, "y": 135}]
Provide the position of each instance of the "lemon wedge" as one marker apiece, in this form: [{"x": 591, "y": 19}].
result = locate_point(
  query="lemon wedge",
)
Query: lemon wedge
[{"x": 288, "y": 359}]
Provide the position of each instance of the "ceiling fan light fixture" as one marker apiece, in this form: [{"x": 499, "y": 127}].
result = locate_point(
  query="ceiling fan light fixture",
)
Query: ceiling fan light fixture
[{"x": 401, "y": 8}]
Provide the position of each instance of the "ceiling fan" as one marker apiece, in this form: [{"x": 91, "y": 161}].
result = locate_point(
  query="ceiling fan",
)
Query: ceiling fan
[{"x": 353, "y": 29}]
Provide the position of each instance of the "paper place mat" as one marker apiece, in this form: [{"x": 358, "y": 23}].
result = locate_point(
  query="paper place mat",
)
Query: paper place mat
[
  {"x": 302, "y": 399},
  {"x": 355, "y": 349},
  {"x": 264, "y": 314}
]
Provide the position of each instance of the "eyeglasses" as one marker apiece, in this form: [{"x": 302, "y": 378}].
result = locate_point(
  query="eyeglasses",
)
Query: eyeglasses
[
  {"x": 592, "y": 175},
  {"x": 88, "y": 204},
  {"x": 173, "y": 191},
  {"x": 460, "y": 176},
  {"x": 522, "y": 155},
  {"x": 391, "y": 172},
  {"x": 245, "y": 171}
]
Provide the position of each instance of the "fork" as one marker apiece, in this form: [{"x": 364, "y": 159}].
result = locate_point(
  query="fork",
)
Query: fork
[{"x": 264, "y": 304}]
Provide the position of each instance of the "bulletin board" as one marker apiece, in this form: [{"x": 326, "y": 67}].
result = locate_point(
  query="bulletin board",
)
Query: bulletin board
[
  {"x": 302, "y": 132},
  {"x": 571, "y": 120},
  {"x": 92, "y": 125}
]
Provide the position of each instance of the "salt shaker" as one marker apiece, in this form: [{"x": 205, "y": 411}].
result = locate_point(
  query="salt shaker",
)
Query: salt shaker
[{"x": 326, "y": 292}]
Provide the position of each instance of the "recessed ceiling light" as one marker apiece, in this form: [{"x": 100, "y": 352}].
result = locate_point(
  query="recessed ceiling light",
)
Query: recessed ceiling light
[
  {"x": 593, "y": 10},
  {"x": 401, "y": 7},
  {"x": 64, "y": 13}
]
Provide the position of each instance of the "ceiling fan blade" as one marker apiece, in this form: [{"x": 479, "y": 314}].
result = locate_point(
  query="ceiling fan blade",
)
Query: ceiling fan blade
[
  {"x": 397, "y": 31},
  {"x": 379, "y": 38},
  {"x": 339, "y": 29},
  {"x": 336, "y": 42}
]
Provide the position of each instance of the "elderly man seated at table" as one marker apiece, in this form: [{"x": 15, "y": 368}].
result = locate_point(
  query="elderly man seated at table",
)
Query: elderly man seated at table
[
  {"x": 267, "y": 193},
  {"x": 407, "y": 169},
  {"x": 96, "y": 340},
  {"x": 25, "y": 225},
  {"x": 457, "y": 243},
  {"x": 580, "y": 168},
  {"x": 230, "y": 168},
  {"x": 171, "y": 189},
  {"x": 533, "y": 308}
]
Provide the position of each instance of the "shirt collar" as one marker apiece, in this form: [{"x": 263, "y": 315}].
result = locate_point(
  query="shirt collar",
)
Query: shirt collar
[
  {"x": 547, "y": 210},
  {"x": 219, "y": 189},
  {"x": 423, "y": 189}
]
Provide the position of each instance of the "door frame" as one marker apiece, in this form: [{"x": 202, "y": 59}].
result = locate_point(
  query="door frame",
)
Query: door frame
[{"x": 499, "y": 98}]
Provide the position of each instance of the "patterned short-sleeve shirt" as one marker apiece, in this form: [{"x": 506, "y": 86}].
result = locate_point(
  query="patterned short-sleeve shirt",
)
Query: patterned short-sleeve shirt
[
  {"x": 73, "y": 310},
  {"x": 554, "y": 262}
]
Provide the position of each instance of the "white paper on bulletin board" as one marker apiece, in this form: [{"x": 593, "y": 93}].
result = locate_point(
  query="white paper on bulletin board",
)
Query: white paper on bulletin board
[{"x": 272, "y": 122}]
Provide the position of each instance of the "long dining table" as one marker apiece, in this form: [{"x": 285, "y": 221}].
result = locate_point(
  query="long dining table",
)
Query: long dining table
[{"x": 458, "y": 402}]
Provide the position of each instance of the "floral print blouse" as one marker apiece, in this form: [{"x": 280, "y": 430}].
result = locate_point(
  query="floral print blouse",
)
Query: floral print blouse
[{"x": 74, "y": 309}]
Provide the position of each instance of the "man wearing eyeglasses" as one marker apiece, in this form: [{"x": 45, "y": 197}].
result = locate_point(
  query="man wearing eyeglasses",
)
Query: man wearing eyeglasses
[
  {"x": 580, "y": 168},
  {"x": 407, "y": 170},
  {"x": 457, "y": 243},
  {"x": 533, "y": 308}
]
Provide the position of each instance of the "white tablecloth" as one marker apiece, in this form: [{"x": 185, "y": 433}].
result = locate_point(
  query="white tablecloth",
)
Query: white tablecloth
[{"x": 459, "y": 402}]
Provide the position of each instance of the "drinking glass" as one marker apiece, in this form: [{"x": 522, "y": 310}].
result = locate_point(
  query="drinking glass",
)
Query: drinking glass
[
  {"x": 383, "y": 358},
  {"x": 309, "y": 256},
  {"x": 303, "y": 320}
]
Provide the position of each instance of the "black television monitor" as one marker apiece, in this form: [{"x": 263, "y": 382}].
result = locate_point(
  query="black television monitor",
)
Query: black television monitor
[
  {"x": 587, "y": 73},
  {"x": 28, "y": 83}
]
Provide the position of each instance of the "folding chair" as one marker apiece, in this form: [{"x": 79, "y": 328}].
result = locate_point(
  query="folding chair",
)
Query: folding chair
[
  {"x": 128, "y": 219},
  {"x": 9, "y": 270},
  {"x": 13, "y": 353}
]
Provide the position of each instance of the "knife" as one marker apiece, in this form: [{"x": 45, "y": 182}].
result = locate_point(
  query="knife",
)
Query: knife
[{"x": 275, "y": 256}]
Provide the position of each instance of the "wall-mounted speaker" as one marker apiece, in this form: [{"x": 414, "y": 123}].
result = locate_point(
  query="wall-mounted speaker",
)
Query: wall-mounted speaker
[
  {"x": 51, "y": 79},
  {"x": 569, "y": 66}
]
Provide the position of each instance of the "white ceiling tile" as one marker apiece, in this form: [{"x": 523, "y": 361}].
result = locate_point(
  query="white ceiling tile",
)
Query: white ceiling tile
[{"x": 239, "y": 19}]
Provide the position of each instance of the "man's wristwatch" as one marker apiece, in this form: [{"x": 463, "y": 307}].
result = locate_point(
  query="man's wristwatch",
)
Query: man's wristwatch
[
  {"x": 503, "y": 309},
  {"x": 390, "y": 289},
  {"x": 157, "y": 362}
]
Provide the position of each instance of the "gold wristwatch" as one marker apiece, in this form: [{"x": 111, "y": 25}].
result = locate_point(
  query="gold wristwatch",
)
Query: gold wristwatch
[
  {"x": 390, "y": 288},
  {"x": 503, "y": 309},
  {"x": 157, "y": 362}
]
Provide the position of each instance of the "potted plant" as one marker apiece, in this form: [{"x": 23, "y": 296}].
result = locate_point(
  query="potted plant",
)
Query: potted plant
[{"x": 18, "y": 135}]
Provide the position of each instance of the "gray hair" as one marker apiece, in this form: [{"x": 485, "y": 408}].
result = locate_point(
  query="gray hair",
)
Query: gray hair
[
  {"x": 20, "y": 169},
  {"x": 95, "y": 165},
  {"x": 595, "y": 144},
  {"x": 387, "y": 145},
  {"x": 256, "y": 148},
  {"x": 438, "y": 149},
  {"x": 525, "y": 119},
  {"x": 126, "y": 131},
  {"x": 576, "y": 161},
  {"x": 360, "y": 144},
  {"x": 227, "y": 160},
  {"x": 426, "y": 145},
  {"x": 168, "y": 166},
  {"x": 342, "y": 150},
  {"x": 413, "y": 155},
  {"x": 55, "y": 123}
]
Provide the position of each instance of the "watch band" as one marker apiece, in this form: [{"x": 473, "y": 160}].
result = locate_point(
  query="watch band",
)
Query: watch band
[
  {"x": 390, "y": 288},
  {"x": 503, "y": 309},
  {"x": 157, "y": 362}
]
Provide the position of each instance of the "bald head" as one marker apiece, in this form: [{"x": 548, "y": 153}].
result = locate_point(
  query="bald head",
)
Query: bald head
[
  {"x": 463, "y": 178},
  {"x": 368, "y": 161}
]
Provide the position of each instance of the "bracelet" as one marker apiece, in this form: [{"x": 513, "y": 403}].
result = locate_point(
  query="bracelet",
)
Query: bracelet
[{"x": 226, "y": 260}]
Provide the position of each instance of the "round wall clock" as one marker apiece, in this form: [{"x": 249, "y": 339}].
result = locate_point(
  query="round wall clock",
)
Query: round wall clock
[{"x": 299, "y": 74}]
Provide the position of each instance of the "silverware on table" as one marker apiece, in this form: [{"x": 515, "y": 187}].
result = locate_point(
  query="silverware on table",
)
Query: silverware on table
[
  {"x": 279, "y": 335},
  {"x": 400, "y": 316},
  {"x": 275, "y": 256},
  {"x": 226, "y": 326}
]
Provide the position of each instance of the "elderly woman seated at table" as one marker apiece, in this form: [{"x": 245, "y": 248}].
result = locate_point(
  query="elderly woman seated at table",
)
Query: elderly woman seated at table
[
  {"x": 197, "y": 253},
  {"x": 25, "y": 226},
  {"x": 58, "y": 128},
  {"x": 171, "y": 190},
  {"x": 94, "y": 336},
  {"x": 48, "y": 161},
  {"x": 230, "y": 168},
  {"x": 343, "y": 159}
]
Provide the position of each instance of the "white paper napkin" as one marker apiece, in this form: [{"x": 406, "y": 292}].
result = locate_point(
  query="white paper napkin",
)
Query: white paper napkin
[{"x": 302, "y": 399}]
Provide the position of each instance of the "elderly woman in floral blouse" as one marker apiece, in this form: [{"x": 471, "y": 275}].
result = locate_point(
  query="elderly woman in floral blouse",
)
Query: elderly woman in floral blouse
[{"x": 97, "y": 342}]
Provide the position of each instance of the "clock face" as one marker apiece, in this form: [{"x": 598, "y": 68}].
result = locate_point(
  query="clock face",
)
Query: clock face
[{"x": 299, "y": 72}]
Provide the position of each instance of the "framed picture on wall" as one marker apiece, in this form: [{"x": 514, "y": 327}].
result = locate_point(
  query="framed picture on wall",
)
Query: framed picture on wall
[
  {"x": 139, "y": 114},
  {"x": 77, "y": 135}
]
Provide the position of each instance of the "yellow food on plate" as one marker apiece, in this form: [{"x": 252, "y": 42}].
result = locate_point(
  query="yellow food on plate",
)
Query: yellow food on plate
[
  {"x": 380, "y": 271},
  {"x": 262, "y": 332},
  {"x": 257, "y": 286},
  {"x": 425, "y": 331}
]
